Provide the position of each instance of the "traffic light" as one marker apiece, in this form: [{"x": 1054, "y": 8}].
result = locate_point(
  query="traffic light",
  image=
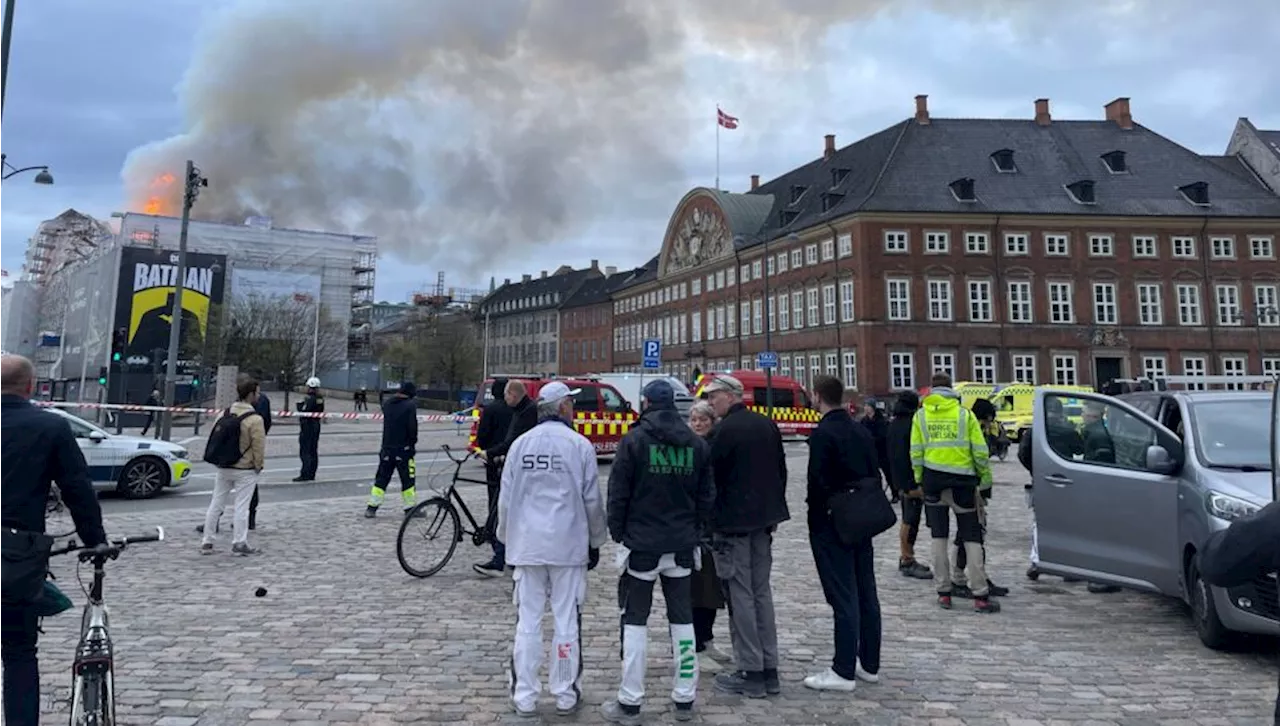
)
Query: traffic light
[
  {"x": 195, "y": 380},
  {"x": 102, "y": 376},
  {"x": 119, "y": 341}
]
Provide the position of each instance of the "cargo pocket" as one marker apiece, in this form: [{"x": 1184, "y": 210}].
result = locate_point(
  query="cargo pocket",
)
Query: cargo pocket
[{"x": 722, "y": 556}]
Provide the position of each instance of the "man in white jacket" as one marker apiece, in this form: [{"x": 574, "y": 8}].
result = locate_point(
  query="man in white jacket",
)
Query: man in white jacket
[{"x": 551, "y": 517}]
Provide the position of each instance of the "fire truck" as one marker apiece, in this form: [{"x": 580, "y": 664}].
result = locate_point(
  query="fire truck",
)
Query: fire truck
[
  {"x": 793, "y": 409},
  {"x": 600, "y": 412}
]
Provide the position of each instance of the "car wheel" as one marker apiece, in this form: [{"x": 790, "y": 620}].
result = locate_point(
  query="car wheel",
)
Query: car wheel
[
  {"x": 143, "y": 478},
  {"x": 1204, "y": 613}
]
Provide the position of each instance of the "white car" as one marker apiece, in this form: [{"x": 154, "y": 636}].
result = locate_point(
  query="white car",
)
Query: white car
[{"x": 136, "y": 466}]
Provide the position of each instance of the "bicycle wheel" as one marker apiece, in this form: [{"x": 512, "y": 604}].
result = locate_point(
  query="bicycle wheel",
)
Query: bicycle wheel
[
  {"x": 91, "y": 702},
  {"x": 430, "y": 525}
]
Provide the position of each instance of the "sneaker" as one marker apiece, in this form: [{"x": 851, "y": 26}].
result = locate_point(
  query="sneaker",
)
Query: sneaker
[
  {"x": 615, "y": 712},
  {"x": 863, "y": 675},
  {"x": 994, "y": 590},
  {"x": 531, "y": 713},
  {"x": 715, "y": 654},
  {"x": 1033, "y": 573},
  {"x": 829, "y": 681},
  {"x": 569, "y": 710},
  {"x": 750, "y": 685},
  {"x": 488, "y": 569},
  {"x": 961, "y": 591},
  {"x": 243, "y": 548},
  {"x": 684, "y": 712},
  {"x": 944, "y": 601},
  {"x": 985, "y": 605},
  {"x": 304, "y": 478},
  {"x": 370, "y": 512},
  {"x": 772, "y": 684},
  {"x": 206, "y": 548},
  {"x": 915, "y": 570}
]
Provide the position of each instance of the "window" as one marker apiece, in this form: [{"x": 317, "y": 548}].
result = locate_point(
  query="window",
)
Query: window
[
  {"x": 832, "y": 369},
  {"x": 1150, "y": 306},
  {"x": 695, "y": 286},
  {"x": 757, "y": 316},
  {"x": 984, "y": 367},
  {"x": 943, "y": 363},
  {"x": 980, "y": 309},
  {"x": 940, "y": 300},
  {"x": 1266, "y": 304},
  {"x": 899, "y": 297},
  {"x": 784, "y": 365},
  {"x": 828, "y": 250},
  {"x": 771, "y": 314},
  {"x": 902, "y": 371},
  {"x": 586, "y": 399},
  {"x": 797, "y": 309},
  {"x": 1228, "y": 304},
  {"x": 1020, "y": 302},
  {"x": 845, "y": 244},
  {"x": 829, "y": 305},
  {"x": 695, "y": 327},
  {"x": 1188, "y": 304},
  {"x": 1271, "y": 366},
  {"x": 811, "y": 254},
  {"x": 1105, "y": 310},
  {"x": 784, "y": 317},
  {"x": 728, "y": 318},
  {"x": 1024, "y": 368},
  {"x": 1222, "y": 248},
  {"x": 895, "y": 242},
  {"x": 1144, "y": 246},
  {"x": 1056, "y": 245},
  {"x": 744, "y": 274},
  {"x": 796, "y": 259},
  {"x": 770, "y": 267},
  {"x": 977, "y": 243},
  {"x": 1015, "y": 243},
  {"x": 1121, "y": 441},
  {"x": 1064, "y": 369},
  {"x": 1262, "y": 248},
  {"x": 1154, "y": 366},
  {"x": 1233, "y": 366},
  {"x": 746, "y": 317},
  {"x": 711, "y": 282},
  {"x": 937, "y": 243},
  {"x": 782, "y": 262},
  {"x": 1184, "y": 247},
  {"x": 755, "y": 271},
  {"x": 850, "y": 369},
  {"x": 846, "y": 301},
  {"x": 1194, "y": 365},
  {"x": 722, "y": 320},
  {"x": 1101, "y": 245},
  {"x": 711, "y": 323},
  {"x": 720, "y": 283},
  {"x": 815, "y": 367},
  {"x": 681, "y": 330},
  {"x": 812, "y": 297},
  {"x": 1061, "y": 309}
]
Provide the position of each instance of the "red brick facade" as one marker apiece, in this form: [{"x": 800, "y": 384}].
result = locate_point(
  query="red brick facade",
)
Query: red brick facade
[{"x": 586, "y": 335}]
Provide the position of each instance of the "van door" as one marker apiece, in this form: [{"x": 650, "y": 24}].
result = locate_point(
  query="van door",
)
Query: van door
[
  {"x": 1106, "y": 494},
  {"x": 1275, "y": 443}
]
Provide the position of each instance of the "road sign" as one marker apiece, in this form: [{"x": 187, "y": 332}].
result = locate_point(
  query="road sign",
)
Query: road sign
[
  {"x": 766, "y": 359},
  {"x": 652, "y": 353}
]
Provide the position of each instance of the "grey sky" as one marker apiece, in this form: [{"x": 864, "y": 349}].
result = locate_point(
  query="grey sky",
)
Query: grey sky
[{"x": 91, "y": 82}]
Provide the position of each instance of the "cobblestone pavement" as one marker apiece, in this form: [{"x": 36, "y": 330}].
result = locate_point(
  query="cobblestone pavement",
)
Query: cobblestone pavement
[{"x": 344, "y": 636}]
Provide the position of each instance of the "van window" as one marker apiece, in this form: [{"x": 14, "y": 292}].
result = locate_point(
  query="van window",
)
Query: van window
[
  {"x": 612, "y": 401},
  {"x": 782, "y": 397},
  {"x": 586, "y": 400}
]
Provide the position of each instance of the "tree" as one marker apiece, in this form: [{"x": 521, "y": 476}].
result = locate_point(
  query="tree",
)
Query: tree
[{"x": 437, "y": 349}]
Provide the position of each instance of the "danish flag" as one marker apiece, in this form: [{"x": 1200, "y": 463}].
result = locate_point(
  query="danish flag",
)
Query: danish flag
[{"x": 725, "y": 120}]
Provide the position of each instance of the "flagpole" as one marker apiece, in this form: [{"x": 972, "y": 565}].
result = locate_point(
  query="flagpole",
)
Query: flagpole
[{"x": 717, "y": 147}]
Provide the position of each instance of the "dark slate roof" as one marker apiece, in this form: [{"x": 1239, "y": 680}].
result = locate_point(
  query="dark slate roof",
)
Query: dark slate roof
[
  {"x": 1237, "y": 166},
  {"x": 648, "y": 272},
  {"x": 563, "y": 283},
  {"x": 908, "y": 168},
  {"x": 596, "y": 290}
]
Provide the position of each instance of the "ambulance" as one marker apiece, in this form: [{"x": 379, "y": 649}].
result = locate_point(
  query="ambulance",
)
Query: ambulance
[
  {"x": 600, "y": 412},
  {"x": 793, "y": 409}
]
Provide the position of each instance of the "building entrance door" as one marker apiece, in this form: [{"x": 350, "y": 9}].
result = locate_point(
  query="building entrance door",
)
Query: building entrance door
[{"x": 1106, "y": 370}]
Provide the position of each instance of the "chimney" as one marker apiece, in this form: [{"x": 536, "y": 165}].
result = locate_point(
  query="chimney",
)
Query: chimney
[
  {"x": 1042, "y": 112},
  {"x": 544, "y": 274},
  {"x": 755, "y": 181},
  {"x": 1118, "y": 111},
  {"x": 830, "y": 147},
  {"x": 611, "y": 270},
  {"x": 922, "y": 110},
  {"x": 595, "y": 264},
  {"x": 507, "y": 281},
  {"x": 526, "y": 278}
]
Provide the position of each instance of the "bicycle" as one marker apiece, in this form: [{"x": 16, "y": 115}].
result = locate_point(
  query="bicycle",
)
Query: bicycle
[
  {"x": 92, "y": 685},
  {"x": 441, "y": 512}
]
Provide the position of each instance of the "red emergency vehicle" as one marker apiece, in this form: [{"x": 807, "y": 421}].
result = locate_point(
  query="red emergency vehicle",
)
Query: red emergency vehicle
[
  {"x": 600, "y": 412},
  {"x": 793, "y": 409}
]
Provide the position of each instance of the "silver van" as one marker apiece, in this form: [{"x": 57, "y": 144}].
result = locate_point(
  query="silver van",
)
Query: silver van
[{"x": 1129, "y": 497}]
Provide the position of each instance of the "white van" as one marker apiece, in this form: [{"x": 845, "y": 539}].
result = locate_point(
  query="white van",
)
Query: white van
[{"x": 630, "y": 386}]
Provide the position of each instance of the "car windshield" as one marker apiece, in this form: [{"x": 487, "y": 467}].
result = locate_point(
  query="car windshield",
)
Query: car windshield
[{"x": 1228, "y": 434}]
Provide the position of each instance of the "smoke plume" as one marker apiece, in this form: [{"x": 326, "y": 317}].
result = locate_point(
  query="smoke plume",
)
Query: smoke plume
[{"x": 457, "y": 131}]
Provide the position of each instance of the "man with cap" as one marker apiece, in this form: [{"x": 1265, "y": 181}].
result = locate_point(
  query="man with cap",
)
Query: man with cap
[
  {"x": 524, "y": 416},
  {"x": 551, "y": 517},
  {"x": 750, "y": 472},
  {"x": 309, "y": 431},
  {"x": 660, "y": 497},
  {"x": 399, "y": 444},
  {"x": 495, "y": 421}
]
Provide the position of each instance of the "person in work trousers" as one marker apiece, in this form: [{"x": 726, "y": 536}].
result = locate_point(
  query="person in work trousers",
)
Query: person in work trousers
[
  {"x": 263, "y": 407},
  {"x": 985, "y": 410},
  {"x": 399, "y": 444},
  {"x": 949, "y": 462},
  {"x": 495, "y": 421},
  {"x": 524, "y": 416},
  {"x": 660, "y": 498},
  {"x": 750, "y": 471},
  {"x": 842, "y": 453},
  {"x": 898, "y": 444},
  {"x": 552, "y": 518},
  {"x": 241, "y": 476},
  {"x": 708, "y": 594},
  {"x": 152, "y": 400},
  {"x": 309, "y": 431}
]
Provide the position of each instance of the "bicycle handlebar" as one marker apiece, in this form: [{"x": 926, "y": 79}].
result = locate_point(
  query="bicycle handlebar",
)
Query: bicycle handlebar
[
  {"x": 449, "y": 453},
  {"x": 107, "y": 549}
]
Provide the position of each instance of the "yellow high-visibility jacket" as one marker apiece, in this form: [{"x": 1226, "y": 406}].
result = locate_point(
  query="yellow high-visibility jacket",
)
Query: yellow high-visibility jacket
[{"x": 947, "y": 438}]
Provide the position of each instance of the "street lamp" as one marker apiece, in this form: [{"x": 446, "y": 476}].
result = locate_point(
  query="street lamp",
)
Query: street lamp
[{"x": 42, "y": 172}]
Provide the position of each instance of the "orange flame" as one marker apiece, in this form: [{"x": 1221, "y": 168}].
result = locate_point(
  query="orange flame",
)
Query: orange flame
[{"x": 158, "y": 202}]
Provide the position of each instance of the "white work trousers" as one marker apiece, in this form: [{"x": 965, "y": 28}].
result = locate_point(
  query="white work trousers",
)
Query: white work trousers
[
  {"x": 637, "y": 598},
  {"x": 244, "y": 482},
  {"x": 567, "y": 589}
]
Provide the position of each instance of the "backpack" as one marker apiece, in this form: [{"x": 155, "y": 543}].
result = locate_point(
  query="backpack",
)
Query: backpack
[{"x": 223, "y": 449}]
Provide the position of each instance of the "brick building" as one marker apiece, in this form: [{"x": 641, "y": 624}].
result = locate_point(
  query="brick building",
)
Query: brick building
[
  {"x": 1039, "y": 250},
  {"x": 521, "y": 320},
  {"x": 586, "y": 325}
]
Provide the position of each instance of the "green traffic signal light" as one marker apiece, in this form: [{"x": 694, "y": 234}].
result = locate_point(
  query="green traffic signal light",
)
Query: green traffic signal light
[
  {"x": 102, "y": 381},
  {"x": 115, "y": 357},
  {"x": 195, "y": 382}
]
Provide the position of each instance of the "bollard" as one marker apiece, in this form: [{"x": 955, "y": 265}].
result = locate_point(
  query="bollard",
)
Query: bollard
[
  {"x": 119, "y": 416},
  {"x": 196, "y": 429}
]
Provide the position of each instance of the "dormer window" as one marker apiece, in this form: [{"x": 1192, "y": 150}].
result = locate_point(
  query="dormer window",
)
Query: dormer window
[
  {"x": 1082, "y": 191},
  {"x": 1196, "y": 192},
  {"x": 1115, "y": 162},
  {"x": 962, "y": 190},
  {"x": 797, "y": 191},
  {"x": 1003, "y": 159},
  {"x": 787, "y": 216},
  {"x": 830, "y": 200},
  {"x": 837, "y": 176}
]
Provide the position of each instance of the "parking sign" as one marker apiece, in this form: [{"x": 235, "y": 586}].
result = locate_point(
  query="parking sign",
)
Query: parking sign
[{"x": 652, "y": 353}]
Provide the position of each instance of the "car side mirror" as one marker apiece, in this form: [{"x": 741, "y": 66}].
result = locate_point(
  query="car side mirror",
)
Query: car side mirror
[
  {"x": 97, "y": 437},
  {"x": 1159, "y": 461}
]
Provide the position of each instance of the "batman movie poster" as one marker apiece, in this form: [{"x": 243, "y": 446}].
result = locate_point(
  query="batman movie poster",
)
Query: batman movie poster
[{"x": 144, "y": 303}]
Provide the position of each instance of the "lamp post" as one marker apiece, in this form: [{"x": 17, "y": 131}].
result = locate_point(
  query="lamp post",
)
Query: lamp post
[
  {"x": 9, "y": 170},
  {"x": 768, "y": 331},
  {"x": 191, "y": 189}
]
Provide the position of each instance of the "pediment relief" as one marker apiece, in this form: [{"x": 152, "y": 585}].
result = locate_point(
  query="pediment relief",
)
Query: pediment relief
[{"x": 697, "y": 235}]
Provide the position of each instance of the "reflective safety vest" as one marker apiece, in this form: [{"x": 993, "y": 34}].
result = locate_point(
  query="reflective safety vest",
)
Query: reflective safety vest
[{"x": 949, "y": 445}]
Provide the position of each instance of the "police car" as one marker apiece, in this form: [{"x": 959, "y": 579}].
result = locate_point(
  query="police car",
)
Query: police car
[{"x": 135, "y": 466}]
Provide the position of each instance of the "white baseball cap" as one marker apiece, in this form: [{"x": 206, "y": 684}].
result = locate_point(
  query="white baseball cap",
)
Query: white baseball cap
[{"x": 555, "y": 391}]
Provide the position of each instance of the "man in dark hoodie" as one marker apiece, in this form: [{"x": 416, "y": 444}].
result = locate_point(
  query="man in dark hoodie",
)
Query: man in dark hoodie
[
  {"x": 660, "y": 498},
  {"x": 399, "y": 444},
  {"x": 524, "y": 416},
  {"x": 878, "y": 426},
  {"x": 898, "y": 444},
  {"x": 495, "y": 421}
]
